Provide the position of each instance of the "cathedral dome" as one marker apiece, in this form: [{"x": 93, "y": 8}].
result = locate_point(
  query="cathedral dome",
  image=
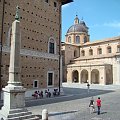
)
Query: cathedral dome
[{"x": 78, "y": 27}]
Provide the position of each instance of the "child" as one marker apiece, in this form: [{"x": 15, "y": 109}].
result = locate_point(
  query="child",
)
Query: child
[{"x": 91, "y": 105}]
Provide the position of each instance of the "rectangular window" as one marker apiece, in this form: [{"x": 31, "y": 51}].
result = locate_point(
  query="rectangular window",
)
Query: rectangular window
[
  {"x": 51, "y": 48},
  {"x": 35, "y": 84},
  {"x": 50, "y": 79}
]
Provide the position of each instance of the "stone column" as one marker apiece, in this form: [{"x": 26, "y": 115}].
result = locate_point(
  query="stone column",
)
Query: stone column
[
  {"x": 80, "y": 76},
  {"x": 118, "y": 72},
  {"x": 61, "y": 76},
  {"x": 89, "y": 75},
  {"x": 102, "y": 75},
  {"x": 69, "y": 75},
  {"x": 14, "y": 93}
]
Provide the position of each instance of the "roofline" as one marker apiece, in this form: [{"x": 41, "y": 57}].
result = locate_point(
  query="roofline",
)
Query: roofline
[{"x": 66, "y": 1}]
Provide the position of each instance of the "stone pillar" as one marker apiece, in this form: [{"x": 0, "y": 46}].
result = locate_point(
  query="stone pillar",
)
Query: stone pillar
[
  {"x": 102, "y": 75},
  {"x": 45, "y": 114},
  {"x": 118, "y": 72},
  {"x": 79, "y": 76},
  {"x": 89, "y": 75},
  {"x": 61, "y": 76},
  {"x": 69, "y": 75},
  {"x": 14, "y": 93}
]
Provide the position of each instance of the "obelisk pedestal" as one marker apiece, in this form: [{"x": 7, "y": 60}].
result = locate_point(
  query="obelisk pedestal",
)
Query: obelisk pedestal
[{"x": 14, "y": 93}]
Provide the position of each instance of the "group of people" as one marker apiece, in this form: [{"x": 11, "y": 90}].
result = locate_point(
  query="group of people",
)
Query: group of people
[
  {"x": 38, "y": 94},
  {"x": 47, "y": 93},
  {"x": 92, "y": 105}
]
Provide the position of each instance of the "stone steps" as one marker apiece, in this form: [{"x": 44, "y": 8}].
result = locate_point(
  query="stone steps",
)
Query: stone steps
[
  {"x": 19, "y": 114},
  {"x": 25, "y": 117},
  {"x": 35, "y": 118}
]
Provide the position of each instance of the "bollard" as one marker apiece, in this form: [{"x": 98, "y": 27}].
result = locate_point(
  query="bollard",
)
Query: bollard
[{"x": 45, "y": 114}]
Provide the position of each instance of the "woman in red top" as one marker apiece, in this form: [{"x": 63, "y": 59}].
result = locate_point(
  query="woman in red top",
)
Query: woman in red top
[{"x": 98, "y": 101}]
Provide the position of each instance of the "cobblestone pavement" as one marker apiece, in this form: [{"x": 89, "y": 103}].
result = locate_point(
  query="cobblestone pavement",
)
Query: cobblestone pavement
[{"x": 74, "y": 105}]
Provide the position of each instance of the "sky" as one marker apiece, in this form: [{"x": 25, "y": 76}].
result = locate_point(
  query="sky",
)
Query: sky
[{"x": 101, "y": 16}]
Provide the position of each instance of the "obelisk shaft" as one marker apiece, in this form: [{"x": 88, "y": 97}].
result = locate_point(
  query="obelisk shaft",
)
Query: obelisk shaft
[{"x": 14, "y": 69}]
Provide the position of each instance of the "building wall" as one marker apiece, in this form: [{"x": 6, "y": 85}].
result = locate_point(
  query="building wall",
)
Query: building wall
[
  {"x": 106, "y": 63},
  {"x": 40, "y": 22}
]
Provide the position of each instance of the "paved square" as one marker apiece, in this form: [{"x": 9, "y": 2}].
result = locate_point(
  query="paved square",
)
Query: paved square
[{"x": 74, "y": 104}]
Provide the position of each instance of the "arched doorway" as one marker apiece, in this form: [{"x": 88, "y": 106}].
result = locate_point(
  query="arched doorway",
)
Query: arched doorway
[
  {"x": 75, "y": 76},
  {"x": 109, "y": 77},
  {"x": 84, "y": 76},
  {"x": 95, "y": 76}
]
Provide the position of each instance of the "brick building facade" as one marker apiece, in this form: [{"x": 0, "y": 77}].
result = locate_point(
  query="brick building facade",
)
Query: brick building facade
[{"x": 40, "y": 42}]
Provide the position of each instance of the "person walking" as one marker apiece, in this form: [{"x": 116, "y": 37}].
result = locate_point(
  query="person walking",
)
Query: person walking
[
  {"x": 88, "y": 87},
  {"x": 98, "y": 101},
  {"x": 91, "y": 105}
]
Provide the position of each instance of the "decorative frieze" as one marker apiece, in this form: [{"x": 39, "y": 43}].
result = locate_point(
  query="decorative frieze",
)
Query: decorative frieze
[{"x": 32, "y": 53}]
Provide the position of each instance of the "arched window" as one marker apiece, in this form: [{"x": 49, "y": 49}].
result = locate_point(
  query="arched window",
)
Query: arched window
[
  {"x": 99, "y": 51},
  {"x": 51, "y": 46},
  {"x": 82, "y": 53},
  {"x": 69, "y": 39},
  {"x": 90, "y": 52},
  {"x": 118, "y": 48},
  {"x": 77, "y": 39},
  {"x": 109, "y": 49},
  {"x": 85, "y": 39}
]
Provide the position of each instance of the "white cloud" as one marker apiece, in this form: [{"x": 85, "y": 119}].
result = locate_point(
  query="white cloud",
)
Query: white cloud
[
  {"x": 114, "y": 24},
  {"x": 65, "y": 6}
]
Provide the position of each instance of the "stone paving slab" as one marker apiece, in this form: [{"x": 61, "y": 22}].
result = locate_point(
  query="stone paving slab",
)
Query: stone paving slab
[{"x": 77, "y": 109}]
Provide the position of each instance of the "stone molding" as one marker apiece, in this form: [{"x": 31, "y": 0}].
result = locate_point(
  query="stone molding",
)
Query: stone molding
[{"x": 32, "y": 53}]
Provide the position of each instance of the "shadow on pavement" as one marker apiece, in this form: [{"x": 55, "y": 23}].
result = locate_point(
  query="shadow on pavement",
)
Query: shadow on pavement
[
  {"x": 103, "y": 112},
  {"x": 61, "y": 113},
  {"x": 69, "y": 94}
]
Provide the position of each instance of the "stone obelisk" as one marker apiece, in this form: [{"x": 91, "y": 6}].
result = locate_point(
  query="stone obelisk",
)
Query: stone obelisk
[{"x": 14, "y": 93}]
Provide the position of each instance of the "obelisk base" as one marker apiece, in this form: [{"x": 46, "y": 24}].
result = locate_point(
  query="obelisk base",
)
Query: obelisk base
[{"x": 14, "y": 105}]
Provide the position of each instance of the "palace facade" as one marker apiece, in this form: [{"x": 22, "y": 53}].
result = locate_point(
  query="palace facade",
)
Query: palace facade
[
  {"x": 40, "y": 42},
  {"x": 94, "y": 62}
]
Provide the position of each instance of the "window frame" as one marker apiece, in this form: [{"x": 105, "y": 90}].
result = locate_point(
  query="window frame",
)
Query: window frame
[
  {"x": 34, "y": 83},
  {"x": 77, "y": 41},
  {"x": 85, "y": 39},
  {"x": 109, "y": 49},
  {"x": 69, "y": 39},
  {"x": 90, "y": 51},
  {"x": 82, "y": 52},
  {"x": 52, "y": 78},
  {"x": 118, "y": 48},
  {"x": 51, "y": 40},
  {"x": 99, "y": 51}
]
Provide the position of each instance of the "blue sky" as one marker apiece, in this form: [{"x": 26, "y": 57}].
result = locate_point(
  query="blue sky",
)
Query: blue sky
[{"x": 101, "y": 16}]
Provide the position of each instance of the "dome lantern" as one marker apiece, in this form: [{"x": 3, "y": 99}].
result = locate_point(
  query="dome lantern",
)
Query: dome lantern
[{"x": 76, "y": 21}]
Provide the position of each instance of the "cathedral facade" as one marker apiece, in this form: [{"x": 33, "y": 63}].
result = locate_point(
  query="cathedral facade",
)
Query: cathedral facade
[
  {"x": 40, "y": 42},
  {"x": 90, "y": 62}
]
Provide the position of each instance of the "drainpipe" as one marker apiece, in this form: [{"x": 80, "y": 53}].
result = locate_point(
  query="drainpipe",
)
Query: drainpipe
[
  {"x": 2, "y": 23},
  {"x": 60, "y": 49}
]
